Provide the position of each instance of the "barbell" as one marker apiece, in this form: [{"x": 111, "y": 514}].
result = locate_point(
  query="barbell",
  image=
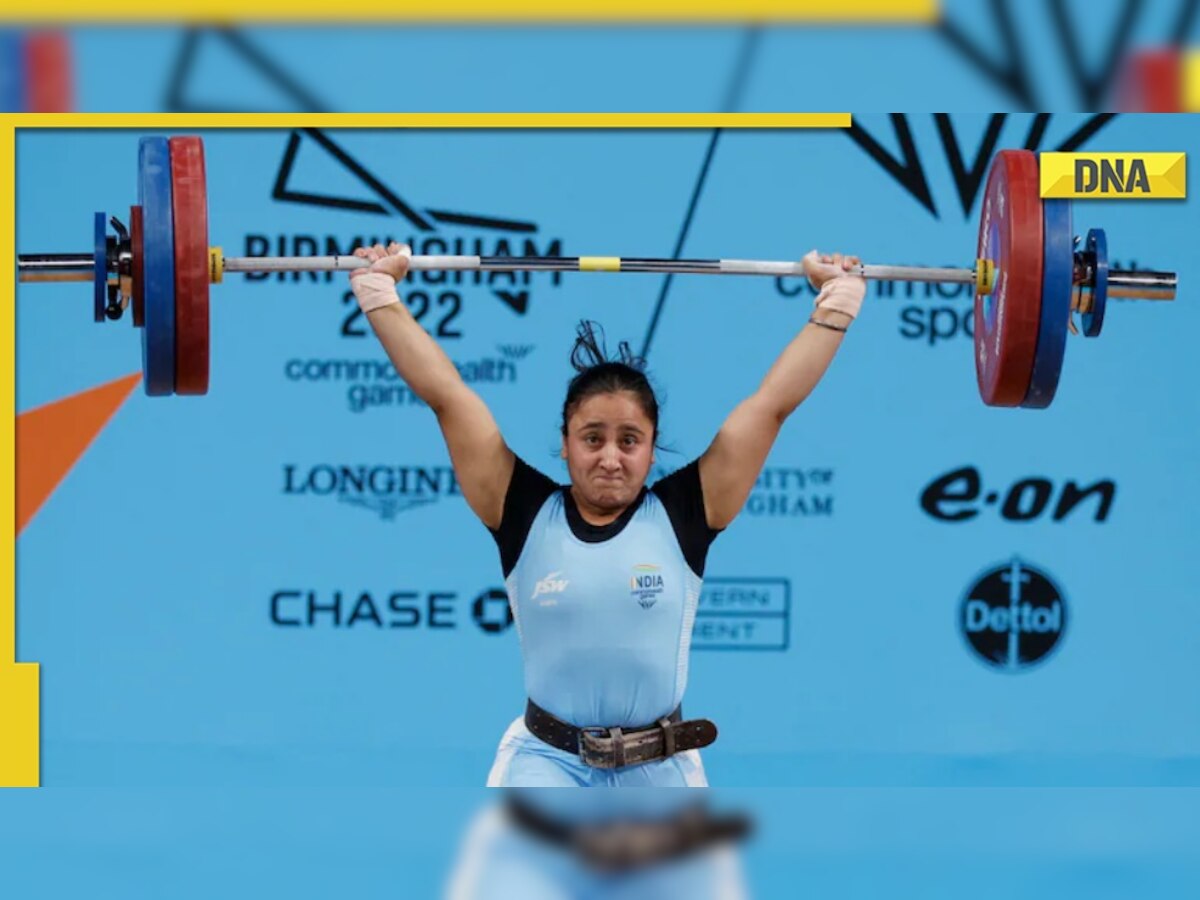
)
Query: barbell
[{"x": 1031, "y": 275}]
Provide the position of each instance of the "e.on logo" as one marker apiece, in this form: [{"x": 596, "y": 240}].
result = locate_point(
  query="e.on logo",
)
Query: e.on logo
[{"x": 960, "y": 495}]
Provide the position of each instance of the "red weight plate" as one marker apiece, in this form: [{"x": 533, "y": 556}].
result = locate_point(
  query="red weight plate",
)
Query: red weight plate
[
  {"x": 1152, "y": 81},
  {"x": 137, "y": 267},
  {"x": 189, "y": 203},
  {"x": 1007, "y": 319},
  {"x": 48, "y": 72}
]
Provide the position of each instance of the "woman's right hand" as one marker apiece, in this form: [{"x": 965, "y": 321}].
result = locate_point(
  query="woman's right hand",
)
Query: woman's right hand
[
  {"x": 838, "y": 291},
  {"x": 823, "y": 267}
]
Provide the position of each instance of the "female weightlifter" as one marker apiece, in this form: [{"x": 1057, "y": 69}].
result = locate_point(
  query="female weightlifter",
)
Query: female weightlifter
[{"x": 603, "y": 574}]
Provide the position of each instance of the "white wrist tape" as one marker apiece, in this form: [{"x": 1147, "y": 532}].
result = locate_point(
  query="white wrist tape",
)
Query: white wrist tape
[
  {"x": 843, "y": 294},
  {"x": 374, "y": 290}
]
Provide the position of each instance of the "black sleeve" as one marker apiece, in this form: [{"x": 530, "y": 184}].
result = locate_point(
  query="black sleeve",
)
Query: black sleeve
[
  {"x": 527, "y": 491},
  {"x": 682, "y": 496}
]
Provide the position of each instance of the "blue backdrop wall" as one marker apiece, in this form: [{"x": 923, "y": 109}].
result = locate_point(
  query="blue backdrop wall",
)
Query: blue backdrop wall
[{"x": 278, "y": 585}]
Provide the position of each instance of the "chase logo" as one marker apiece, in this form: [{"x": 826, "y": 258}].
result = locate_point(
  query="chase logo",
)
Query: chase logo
[
  {"x": 1013, "y": 616},
  {"x": 1144, "y": 176},
  {"x": 491, "y": 611},
  {"x": 646, "y": 584}
]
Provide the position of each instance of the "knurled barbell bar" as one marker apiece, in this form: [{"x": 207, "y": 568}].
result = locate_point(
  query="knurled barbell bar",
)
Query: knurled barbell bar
[{"x": 1030, "y": 274}]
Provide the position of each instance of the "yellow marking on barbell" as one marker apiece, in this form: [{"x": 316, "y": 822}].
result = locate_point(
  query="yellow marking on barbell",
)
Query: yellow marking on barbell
[
  {"x": 985, "y": 276},
  {"x": 216, "y": 265},
  {"x": 599, "y": 264}
]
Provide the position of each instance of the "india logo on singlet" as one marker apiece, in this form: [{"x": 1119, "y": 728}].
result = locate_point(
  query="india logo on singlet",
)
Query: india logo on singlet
[{"x": 645, "y": 584}]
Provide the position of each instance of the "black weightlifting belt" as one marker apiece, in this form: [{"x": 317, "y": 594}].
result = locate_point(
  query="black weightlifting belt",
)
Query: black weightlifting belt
[
  {"x": 622, "y": 845},
  {"x": 613, "y": 748}
]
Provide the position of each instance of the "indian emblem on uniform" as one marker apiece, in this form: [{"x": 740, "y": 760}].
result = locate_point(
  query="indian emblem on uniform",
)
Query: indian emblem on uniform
[{"x": 645, "y": 584}]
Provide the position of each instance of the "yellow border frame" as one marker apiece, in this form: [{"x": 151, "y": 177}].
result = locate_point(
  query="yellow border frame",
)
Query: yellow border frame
[
  {"x": 467, "y": 12},
  {"x": 19, "y": 725},
  {"x": 647, "y": 121},
  {"x": 19, "y": 682}
]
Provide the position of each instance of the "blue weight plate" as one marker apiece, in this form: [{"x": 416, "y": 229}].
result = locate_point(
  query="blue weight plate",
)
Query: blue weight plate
[
  {"x": 158, "y": 281},
  {"x": 100, "y": 267},
  {"x": 12, "y": 72},
  {"x": 1058, "y": 267},
  {"x": 1093, "y": 322}
]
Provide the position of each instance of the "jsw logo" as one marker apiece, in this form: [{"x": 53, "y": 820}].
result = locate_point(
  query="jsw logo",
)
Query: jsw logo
[{"x": 551, "y": 584}]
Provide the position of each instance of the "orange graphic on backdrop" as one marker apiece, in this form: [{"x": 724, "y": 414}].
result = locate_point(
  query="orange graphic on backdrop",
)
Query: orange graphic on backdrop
[{"x": 52, "y": 438}]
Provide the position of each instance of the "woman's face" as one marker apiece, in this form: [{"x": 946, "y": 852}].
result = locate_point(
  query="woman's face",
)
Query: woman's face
[{"x": 609, "y": 448}]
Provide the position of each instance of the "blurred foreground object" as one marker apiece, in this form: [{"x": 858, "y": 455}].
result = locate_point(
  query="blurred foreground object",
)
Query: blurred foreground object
[{"x": 35, "y": 72}]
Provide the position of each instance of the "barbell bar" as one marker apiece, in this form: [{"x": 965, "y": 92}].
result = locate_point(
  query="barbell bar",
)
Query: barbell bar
[
  {"x": 1031, "y": 275},
  {"x": 47, "y": 267}
]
